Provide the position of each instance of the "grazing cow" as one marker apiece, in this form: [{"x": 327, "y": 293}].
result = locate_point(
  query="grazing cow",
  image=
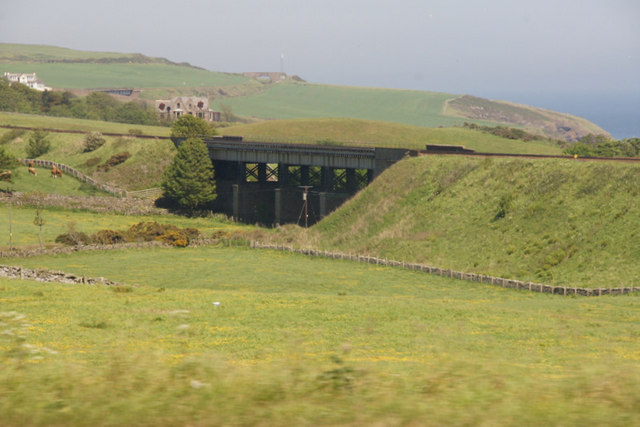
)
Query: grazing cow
[
  {"x": 31, "y": 164},
  {"x": 55, "y": 172},
  {"x": 5, "y": 176},
  {"x": 32, "y": 171}
]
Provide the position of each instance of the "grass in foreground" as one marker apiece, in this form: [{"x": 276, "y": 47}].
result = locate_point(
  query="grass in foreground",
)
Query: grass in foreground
[{"x": 307, "y": 341}]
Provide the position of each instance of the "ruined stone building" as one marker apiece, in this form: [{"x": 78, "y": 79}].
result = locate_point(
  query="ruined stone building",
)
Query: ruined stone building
[{"x": 171, "y": 109}]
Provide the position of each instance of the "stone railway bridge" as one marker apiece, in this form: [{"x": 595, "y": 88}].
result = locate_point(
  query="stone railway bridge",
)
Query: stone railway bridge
[{"x": 259, "y": 182}]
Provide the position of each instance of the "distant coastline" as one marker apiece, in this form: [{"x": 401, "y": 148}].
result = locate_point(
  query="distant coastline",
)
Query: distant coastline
[{"x": 618, "y": 114}]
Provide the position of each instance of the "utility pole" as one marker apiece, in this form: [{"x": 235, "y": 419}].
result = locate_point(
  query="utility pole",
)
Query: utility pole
[
  {"x": 305, "y": 204},
  {"x": 10, "y": 225}
]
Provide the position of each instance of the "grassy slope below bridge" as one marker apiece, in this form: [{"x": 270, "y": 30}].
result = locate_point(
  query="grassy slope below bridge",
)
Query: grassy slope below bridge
[
  {"x": 564, "y": 222},
  {"x": 384, "y": 134}
]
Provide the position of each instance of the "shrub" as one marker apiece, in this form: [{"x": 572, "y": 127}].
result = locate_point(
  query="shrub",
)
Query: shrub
[
  {"x": 116, "y": 159},
  {"x": 93, "y": 141},
  {"x": 147, "y": 230},
  {"x": 38, "y": 144},
  {"x": 108, "y": 237},
  {"x": 191, "y": 233},
  {"x": 175, "y": 238},
  {"x": 76, "y": 238}
]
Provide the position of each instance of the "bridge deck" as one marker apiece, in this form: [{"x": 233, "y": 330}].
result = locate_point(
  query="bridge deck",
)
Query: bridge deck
[{"x": 292, "y": 154}]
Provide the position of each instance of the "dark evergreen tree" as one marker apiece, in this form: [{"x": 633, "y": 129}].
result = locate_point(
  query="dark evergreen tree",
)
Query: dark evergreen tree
[
  {"x": 188, "y": 181},
  {"x": 188, "y": 126},
  {"x": 38, "y": 144}
]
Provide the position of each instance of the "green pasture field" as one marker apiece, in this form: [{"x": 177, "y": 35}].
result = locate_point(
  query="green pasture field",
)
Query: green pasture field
[
  {"x": 91, "y": 75},
  {"x": 12, "y": 52},
  {"x": 142, "y": 170},
  {"x": 25, "y": 182},
  {"x": 305, "y": 341},
  {"x": 384, "y": 134},
  {"x": 25, "y": 233},
  {"x": 554, "y": 221},
  {"x": 305, "y": 100},
  {"x": 84, "y": 125}
]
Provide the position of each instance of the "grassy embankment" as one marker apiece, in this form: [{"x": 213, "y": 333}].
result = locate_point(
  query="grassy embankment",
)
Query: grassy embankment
[
  {"x": 562, "y": 222},
  {"x": 150, "y": 157},
  {"x": 313, "y": 341},
  {"x": 385, "y": 134}
]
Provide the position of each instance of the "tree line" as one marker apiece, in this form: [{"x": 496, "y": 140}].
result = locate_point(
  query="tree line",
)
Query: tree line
[
  {"x": 602, "y": 146},
  {"x": 19, "y": 98}
]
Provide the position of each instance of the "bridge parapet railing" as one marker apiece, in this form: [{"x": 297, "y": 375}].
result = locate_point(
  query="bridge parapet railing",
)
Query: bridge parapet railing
[{"x": 295, "y": 148}]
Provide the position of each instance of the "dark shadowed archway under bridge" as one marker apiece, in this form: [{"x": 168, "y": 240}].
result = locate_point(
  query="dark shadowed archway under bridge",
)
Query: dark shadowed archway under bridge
[{"x": 259, "y": 182}]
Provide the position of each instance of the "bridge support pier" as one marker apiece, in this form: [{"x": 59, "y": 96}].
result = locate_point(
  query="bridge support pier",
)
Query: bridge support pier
[
  {"x": 278, "y": 206},
  {"x": 236, "y": 201},
  {"x": 323, "y": 204}
]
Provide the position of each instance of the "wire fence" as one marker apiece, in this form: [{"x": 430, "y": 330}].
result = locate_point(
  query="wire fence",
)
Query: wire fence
[
  {"x": 76, "y": 174},
  {"x": 472, "y": 277}
]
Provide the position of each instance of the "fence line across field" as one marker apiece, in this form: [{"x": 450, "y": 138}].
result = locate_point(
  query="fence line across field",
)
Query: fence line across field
[
  {"x": 472, "y": 277},
  {"x": 148, "y": 193}
]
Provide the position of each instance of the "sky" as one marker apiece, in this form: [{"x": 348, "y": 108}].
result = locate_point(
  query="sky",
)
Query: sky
[{"x": 575, "y": 56}]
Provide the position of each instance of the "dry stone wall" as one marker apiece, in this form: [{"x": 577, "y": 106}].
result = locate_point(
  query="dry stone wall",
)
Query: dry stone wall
[
  {"x": 124, "y": 205},
  {"x": 42, "y": 275},
  {"x": 29, "y": 252}
]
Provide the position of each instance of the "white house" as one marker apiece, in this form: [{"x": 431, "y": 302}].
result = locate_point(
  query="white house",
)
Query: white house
[{"x": 26, "y": 79}]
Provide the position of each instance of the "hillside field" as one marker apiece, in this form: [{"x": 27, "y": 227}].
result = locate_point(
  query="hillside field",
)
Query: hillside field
[
  {"x": 306, "y": 100},
  {"x": 149, "y": 157},
  {"x": 313, "y": 341},
  {"x": 84, "y": 125},
  {"x": 43, "y": 53},
  {"x": 91, "y": 75},
  {"x": 23, "y": 181}
]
